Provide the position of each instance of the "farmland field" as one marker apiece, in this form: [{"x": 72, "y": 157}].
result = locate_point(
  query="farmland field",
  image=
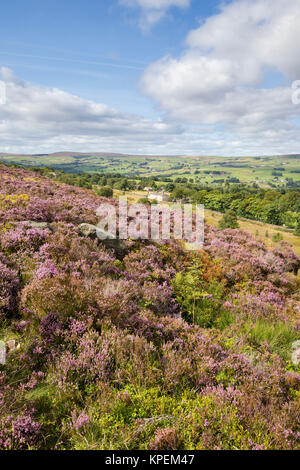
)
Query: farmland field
[{"x": 264, "y": 170}]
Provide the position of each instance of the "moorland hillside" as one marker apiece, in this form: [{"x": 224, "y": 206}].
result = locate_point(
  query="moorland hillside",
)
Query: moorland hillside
[{"x": 154, "y": 348}]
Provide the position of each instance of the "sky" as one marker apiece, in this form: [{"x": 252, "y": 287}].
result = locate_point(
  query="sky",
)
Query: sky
[{"x": 160, "y": 77}]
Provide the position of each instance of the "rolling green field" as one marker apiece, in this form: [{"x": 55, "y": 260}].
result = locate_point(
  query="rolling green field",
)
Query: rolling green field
[
  {"x": 202, "y": 169},
  {"x": 265, "y": 171}
]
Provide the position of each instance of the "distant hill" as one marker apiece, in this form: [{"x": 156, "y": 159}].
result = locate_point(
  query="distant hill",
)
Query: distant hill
[
  {"x": 83, "y": 155},
  {"x": 203, "y": 168},
  {"x": 120, "y": 155}
]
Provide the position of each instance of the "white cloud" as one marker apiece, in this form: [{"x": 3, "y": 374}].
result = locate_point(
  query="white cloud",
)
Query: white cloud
[
  {"x": 38, "y": 119},
  {"x": 255, "y": 33},
  {"x": 219, "y": 79},
  {"x": 34, "y": 115},
  {"x": 153, "y": 10}
]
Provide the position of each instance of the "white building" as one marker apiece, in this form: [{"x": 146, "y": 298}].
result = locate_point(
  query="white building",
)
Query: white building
[{"x": 159, "y": 197}]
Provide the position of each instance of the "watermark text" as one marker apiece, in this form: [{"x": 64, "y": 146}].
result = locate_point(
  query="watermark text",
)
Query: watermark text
[{"x": 155, "y": 222}]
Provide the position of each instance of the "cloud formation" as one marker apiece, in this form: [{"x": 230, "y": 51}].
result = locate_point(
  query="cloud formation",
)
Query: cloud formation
[
  {"x": 37, "y": 119},
  {"x": 153, "y": 10},
  {"x": 220, "y": 78},
  {"x": 34, "y": 115}
]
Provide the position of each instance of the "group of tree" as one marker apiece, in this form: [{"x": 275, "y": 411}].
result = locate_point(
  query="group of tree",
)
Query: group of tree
[{"x": 278, "y": 207}]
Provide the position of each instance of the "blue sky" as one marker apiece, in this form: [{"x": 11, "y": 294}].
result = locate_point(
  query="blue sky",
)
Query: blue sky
[
  {"x": 179, "y": 76},
  {"x": 92, "y": 48}
]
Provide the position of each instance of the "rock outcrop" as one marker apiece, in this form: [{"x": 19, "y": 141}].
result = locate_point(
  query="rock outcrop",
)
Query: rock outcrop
[{"x": 94, "y": 232}]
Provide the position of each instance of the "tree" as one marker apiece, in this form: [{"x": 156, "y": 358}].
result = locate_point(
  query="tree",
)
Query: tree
[
  {"x": 229, "y": 220},
  {"x": 289, "y": 218},
  {"x": 122, "y": 185},
  {"x": 179, "y": 193},
  {"x": 297, "y": 230},
  {"x": 105, "y": 191},
  {"x": 170, "y": 187}
]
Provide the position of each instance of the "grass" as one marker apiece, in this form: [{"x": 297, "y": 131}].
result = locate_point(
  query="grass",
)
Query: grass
[
  {"x": 259, "y": 230},
  {"x": 279, "y": 336}
]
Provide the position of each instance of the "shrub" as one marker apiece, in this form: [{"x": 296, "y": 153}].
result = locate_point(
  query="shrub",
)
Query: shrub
[
  {"x": 277, "y": 237},
  {"x": 165, "y": 439},
  {"x": 229, "y": 220},
  {"x": 19, "y": 433},
  {"x": 9, "y": 288},
  {"x": 105, "y": 191},
  {"x": 144, "y": 200}
]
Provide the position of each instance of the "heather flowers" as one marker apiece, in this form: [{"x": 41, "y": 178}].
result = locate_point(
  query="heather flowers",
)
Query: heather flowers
[
  {"x": 9, "y": 288},
  {"x": 157, "y": 349}
]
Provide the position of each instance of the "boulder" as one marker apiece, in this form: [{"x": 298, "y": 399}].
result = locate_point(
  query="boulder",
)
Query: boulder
[
  {"x": 88, "y": 230},
  {"x": 92, "y": 231},
  {"x": 32, "y": 224},
  {"x": 40, "y": 225},
  {"x": 12, "y": 345}
]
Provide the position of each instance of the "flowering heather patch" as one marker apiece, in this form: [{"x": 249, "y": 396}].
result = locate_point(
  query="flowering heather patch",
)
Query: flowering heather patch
[
  {"x": 18, "y": 433},
  {"x": 9, "y": 287},
  {"x": 245, "y": 256},
  {"x": 157, "y": 349},
  {"x": 23, "y": 237}
]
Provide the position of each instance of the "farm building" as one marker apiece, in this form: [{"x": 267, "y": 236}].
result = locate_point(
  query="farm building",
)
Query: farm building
[{"x": 159, "y": 197}]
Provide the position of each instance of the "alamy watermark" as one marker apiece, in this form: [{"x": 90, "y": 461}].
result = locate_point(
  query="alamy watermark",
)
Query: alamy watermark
[
  {"x": 296, "y": 353},
  {"x": 296, "y": 92},
  {"x": 2, "y": 353},
  {"x": 156, "y": 222},
  {"x": 2, "y": 93}
]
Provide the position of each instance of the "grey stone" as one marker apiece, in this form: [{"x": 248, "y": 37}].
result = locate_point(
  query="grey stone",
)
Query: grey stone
[
  {"x": 88, "y": 230},
  {"x": 11, "y": 344},
  {"x": 30, "y": 223},
  {"x": 92, "y": 231},
  {"x": 40, "y": 225}
]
